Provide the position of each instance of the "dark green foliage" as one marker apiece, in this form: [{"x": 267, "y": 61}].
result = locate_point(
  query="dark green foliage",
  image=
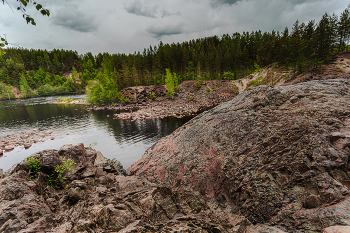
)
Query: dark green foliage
[
  {"x": 104, "y": 90},
  {"x": 48, "y": 90},
  {"x": 5, "y": 92},
  {"x": 34, "y": 165},
  {"x": 25, "y": 88}
]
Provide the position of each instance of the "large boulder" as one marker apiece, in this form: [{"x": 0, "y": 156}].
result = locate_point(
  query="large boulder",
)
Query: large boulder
[
  {"x": 97, "y": 197},
  {"x": 275, "y": 155}
]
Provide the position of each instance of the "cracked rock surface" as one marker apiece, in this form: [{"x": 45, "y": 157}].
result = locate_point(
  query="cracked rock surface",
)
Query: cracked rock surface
[
  {"x": 274, "y": 155},
  {"x": 98, "y": 197}
]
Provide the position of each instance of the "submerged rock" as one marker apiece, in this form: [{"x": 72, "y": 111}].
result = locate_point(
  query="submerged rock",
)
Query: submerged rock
[
  {"x": 274, "y": 155},
  {"x": 9, "y": 147}
]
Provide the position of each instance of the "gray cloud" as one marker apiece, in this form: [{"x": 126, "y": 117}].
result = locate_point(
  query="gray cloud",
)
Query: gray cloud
[
  {"x": 136, "y": 8},
  {"x": 217, "y": 3},
  {"x": 114, "y": 26},
  {"x": 165, "y": 30},
  {"x": 74, "y": 20},
  {"x": 167, "y": 14}
]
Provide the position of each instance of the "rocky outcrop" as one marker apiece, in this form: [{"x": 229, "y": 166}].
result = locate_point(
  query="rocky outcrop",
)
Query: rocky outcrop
[
  {"x": 98, "y": 197},
  {"x": 274, "y": 155}
]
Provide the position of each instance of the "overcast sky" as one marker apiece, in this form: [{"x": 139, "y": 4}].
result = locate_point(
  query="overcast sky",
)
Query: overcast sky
[{"x": 126, "y": 26}]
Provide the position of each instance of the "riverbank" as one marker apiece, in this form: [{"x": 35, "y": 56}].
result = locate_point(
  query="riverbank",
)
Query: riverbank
[
  {"x": 25, "y": 139},
  {"x": 190, "y": 99},
  {"x": 194, "y": 97}
]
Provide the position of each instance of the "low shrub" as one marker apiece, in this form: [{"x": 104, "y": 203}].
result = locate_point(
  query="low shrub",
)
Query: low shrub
[
  {"x": 34, "y": 165},
  {"x": 65, "y": 99},
  {"x": 152, "y": 96},
  {"x": 59, "y": 171}
]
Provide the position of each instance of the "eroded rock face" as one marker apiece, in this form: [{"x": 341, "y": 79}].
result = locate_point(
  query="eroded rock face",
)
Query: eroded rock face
[
  {"x": 97, "y": 197},
  {"x": 275, "y": 155}
]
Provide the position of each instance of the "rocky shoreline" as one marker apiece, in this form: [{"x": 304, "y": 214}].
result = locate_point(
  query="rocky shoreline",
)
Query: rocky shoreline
[
  {"x": 189, "y": 100},
  {"x": 25, "y": 139},
  {"x": 98, "y": 197}
]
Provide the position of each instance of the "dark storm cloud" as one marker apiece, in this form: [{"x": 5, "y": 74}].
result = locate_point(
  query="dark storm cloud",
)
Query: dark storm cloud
[
  {"x": 166, "y": 30},
  {"x": 136, "y": 8},
  {"x": 74, "y": 20}
]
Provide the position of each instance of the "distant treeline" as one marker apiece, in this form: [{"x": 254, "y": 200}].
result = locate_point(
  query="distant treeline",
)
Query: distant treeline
[{"x": 303, "y": 48}]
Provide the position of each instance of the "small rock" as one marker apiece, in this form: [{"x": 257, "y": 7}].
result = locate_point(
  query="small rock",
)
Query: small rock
[
  {"x": 101, "y": 189},
  {"x": 74, "y": 195},
  {"x": 79, "y": 184},
  {"x": 336, "y": 229},
  {"x": 336, "y": 136},
  {"x": 35, "y": 130},
  {"x": 48, "y": 132},
  {"x": 52, "y": 138},
  {"x": 333, "y": 153},
  {"x": 9, "y": 148},
  {"x": 27, "y": 145}
]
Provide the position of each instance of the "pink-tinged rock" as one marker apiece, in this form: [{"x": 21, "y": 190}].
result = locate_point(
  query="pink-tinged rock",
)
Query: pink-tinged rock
[
  {"x": 35, "y": 130},
  {"x": 101, "y": 189},
  {"x": 9, "y": 148},
  {"x": 1, "y": 152},
  {"x": 336, "y": 229},
  {"x": 48, "y": 132},
  {"x": 27, "y": 145},
  {"x": 262, "y": 229},
  {"x": 261, "y": 152},
  {"x": 42, "y": 140}
]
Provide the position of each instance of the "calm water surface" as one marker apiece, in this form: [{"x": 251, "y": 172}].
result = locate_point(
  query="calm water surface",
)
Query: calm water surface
[{"x": 121, "y": 139}]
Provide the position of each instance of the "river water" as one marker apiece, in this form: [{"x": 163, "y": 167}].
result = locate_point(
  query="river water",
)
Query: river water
[{"x": 124, "y": 140}]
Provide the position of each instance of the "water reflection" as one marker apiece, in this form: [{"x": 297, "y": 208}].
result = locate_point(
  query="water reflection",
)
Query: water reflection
[{"x": 121, "y": 139}]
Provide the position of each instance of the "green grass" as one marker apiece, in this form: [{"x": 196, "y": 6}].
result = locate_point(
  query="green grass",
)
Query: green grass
[
  {"x": 152, "y": 96},
  {"x": 256, "y": 82},
  {"x": 65, "y": 99}
]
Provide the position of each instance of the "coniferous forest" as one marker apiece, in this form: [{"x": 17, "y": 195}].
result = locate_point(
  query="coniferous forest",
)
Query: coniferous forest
[{"x": 304, "y": 47}]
